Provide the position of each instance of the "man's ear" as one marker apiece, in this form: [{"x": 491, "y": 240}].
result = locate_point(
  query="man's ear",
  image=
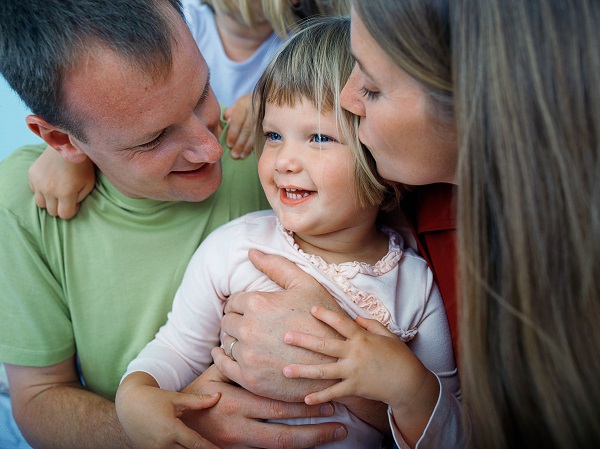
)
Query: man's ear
[{"x": 58, "y": 139}]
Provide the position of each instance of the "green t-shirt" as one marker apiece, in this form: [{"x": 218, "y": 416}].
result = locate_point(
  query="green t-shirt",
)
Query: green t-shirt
[{"x": 100, "y": 285}]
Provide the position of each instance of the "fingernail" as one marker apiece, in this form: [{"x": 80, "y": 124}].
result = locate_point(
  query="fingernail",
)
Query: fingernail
[
  {"x": 214, "y": 395},
  {"x": 327, "y": 410},
  {"x": 287, "y": 338},
  {"x": 340, "y": 433},
  {"x": 287, "y": 372}
]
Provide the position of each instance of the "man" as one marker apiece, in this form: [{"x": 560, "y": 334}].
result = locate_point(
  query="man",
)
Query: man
[{"x": 123, "y": 84}]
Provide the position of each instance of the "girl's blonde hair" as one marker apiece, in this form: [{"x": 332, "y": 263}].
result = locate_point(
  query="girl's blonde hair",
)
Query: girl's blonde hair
[
  {"x": 314, "y": 65},
  {"x": 281, "y": 14}
]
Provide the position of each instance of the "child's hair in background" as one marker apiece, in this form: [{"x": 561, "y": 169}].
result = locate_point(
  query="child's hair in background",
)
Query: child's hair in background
[
  {"x": 314, "y": 65},
  {"x": 283, "y": 16}
]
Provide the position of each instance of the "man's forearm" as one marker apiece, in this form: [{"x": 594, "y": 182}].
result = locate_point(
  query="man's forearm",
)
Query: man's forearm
[{"x": 69, "y": 417}]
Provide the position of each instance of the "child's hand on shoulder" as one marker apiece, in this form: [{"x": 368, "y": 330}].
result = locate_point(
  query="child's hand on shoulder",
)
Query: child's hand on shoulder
[
  {"x": 60, "y": 186},
  {"x": 239, "y": 135}
]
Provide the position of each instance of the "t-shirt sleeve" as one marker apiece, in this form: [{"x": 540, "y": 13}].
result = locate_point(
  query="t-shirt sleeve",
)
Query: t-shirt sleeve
[{"x": 35, "y": 325}]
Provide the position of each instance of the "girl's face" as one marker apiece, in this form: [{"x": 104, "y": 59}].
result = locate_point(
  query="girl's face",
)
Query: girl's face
[
  {"x": 395, "y": 117},
  {"x": 307, "y": 171}
]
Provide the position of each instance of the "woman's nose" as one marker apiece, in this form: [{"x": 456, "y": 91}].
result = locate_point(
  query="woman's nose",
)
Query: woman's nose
[{"x": 350, "y": 96}]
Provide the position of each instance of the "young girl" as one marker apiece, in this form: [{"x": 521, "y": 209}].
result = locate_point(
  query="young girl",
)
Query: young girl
[
  {"x": 237, "y": 38},
  {"x": 325, "y": 198}
]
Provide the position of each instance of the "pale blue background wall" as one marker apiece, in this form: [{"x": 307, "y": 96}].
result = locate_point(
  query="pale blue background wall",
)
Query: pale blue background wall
[{"x": 13, "y": 130}]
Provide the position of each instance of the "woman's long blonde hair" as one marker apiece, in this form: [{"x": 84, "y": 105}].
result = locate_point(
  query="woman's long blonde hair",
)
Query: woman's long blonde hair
[
  {"x": 528, "y": 114},
  {"x": 520, "y": 80}
]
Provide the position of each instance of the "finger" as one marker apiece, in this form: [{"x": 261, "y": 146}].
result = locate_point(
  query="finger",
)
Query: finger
[
  {"x": 336, "y": 391},
  {"x": 265, "y": 408},
  {"x": 373, "y": 326},
  {"x": 247, "y": 141},
  {"x": 84, "y": 192},
  {"x": 247, "y": 149},
  {"x": 233, "y": 132},
  {"x": 230, "y": 369},
  {"x": 242, "y": 138},
  {"x": 343, "y": 324},
  {"x": 326, "y": 346},
  {"x": 260, "y": 408},
  {"x": 283, "y": 272},
  {"x": 188, "y": 438},
  {"x": 234, "y": 310},
  {"x": 40, "y": 200},
  {"x": 230, "y": 344},
  {"x": 326, "y": 371},
  {"x": 67, "y": 207},
  {"x": 274, "y": 436},
  {"x": 52, "y": 206},
  {"x": 228, "y": 112},
  {"x": 187, "y": 401}
]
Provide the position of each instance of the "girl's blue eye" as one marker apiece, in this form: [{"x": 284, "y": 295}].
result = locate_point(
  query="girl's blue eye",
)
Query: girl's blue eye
[
  {"x": 320, "y": 138},
  {"x": 272, "y": 136}
]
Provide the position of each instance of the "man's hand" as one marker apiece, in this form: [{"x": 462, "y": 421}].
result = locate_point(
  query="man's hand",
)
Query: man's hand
[
  {"x": 238, "y": 419},
  {"x": 259, "y": 321}
]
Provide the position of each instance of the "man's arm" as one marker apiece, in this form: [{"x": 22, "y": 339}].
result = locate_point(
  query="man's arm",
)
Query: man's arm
[
  {"x": 238, "y": 419},
  {"x": 52, "y": 409}
]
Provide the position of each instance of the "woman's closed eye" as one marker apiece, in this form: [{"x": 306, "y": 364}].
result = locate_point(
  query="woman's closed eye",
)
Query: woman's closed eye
[{"x": 369, "y": 94}]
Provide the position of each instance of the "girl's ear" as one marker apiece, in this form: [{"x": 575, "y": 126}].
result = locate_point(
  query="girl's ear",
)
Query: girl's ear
[{"x": 56, "y": 138}]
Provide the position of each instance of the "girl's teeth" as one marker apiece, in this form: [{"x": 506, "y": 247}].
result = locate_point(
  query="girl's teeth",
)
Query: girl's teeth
[{"x": 294, "y": 196}]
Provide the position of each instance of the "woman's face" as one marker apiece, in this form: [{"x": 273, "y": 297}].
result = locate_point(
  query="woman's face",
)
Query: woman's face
[{"x": 396, "y": 120}]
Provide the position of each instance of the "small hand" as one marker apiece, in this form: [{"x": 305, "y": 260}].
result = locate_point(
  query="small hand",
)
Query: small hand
[
  {"x": 58, "y": 185},
  {"x": 151, "y": 416},
  {"x": 239, "y": 133},
  {"x": 369, "y": 354}
]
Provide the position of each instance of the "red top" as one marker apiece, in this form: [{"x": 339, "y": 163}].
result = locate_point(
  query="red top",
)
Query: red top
[{"x": 431, "y": 214}]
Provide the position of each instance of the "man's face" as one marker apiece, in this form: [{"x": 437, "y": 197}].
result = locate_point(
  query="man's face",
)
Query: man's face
[{"x": 151, "y": 139}]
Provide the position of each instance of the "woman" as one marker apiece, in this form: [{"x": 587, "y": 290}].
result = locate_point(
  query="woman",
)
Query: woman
[
  {"x": 527, "y": 93},
  {"x": 403, "y": 95}
]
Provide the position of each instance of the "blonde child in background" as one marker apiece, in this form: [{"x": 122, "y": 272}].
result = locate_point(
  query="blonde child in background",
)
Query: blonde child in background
[
  {"x": 237, "y": 38},
  {"x": 326, "y": 200}
]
